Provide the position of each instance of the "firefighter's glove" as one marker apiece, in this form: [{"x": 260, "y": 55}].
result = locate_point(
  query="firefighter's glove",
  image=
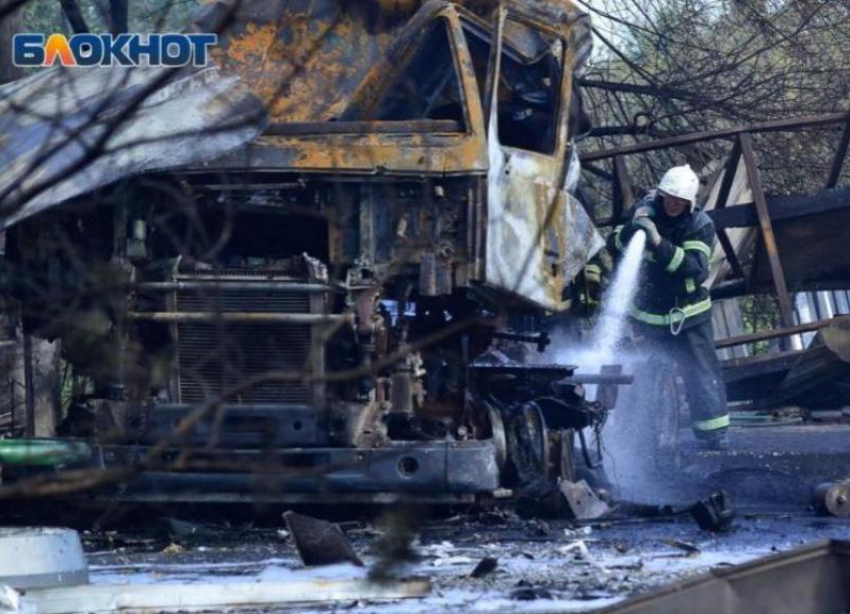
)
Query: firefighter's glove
[
  {"x": 644, "y": 211},
  {"x": 647, "y": 225}
]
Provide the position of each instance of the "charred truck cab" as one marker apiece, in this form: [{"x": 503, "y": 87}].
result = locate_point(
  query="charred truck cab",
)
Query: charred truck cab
[{"x": 326, "y": 306}]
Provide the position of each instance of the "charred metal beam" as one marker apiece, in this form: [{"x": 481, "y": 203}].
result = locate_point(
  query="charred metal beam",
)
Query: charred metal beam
[
  {"x": 491, "y": 88},
  {"x": 595, "y": 170},
  {"x": 742, "y": 287},
  {"x": 697, "y": 137},
  {"x": 722, "y": 201},
  {"x": 840, "y": 156},
  {"x": 729, "y": 176},
  {"x": 730, "y": 289},
  {"x": 729, "y": 251},
  {"x": 766, "y": 225},
  {"x": 782, "y": 208},
  {"x": 778, "y": 333}
]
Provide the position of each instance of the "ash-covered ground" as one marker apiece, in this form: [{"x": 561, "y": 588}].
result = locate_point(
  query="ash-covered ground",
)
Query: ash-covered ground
[{"x": 541, "y": 566}]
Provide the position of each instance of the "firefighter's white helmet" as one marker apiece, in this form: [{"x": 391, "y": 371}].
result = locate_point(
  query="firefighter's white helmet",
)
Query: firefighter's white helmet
[{"x": 681, "y": 182}]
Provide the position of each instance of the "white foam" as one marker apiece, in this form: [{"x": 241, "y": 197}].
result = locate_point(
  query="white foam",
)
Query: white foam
[{"x": 609, "y": 329}]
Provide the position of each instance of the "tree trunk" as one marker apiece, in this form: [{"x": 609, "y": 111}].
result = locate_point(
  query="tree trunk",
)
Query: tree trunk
[
  {"x": 75, "y": 17},
  {"x": 119, "y": 16}
]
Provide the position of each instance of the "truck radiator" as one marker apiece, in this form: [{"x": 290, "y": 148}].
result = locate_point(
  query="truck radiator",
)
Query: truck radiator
[{"x": 215, "y": 357}]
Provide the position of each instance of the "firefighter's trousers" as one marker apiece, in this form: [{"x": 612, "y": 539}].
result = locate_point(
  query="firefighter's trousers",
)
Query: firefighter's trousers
[{"x": 693, "y": 353}]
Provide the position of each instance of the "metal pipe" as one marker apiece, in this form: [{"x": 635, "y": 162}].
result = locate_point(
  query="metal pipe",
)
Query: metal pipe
[
  {"x": 174, "y": 286},
  {"x": 42, "y": 452},
  {"x": 696, "y": 137},
  {"x": 239, "y": 317},
  {"x": 781, "y": 332}
]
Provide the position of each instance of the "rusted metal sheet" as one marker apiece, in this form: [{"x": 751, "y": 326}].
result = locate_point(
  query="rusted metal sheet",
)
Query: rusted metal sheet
[
  {"x": 538, "y": 236},
  {"x": 306, "y": 59},
  {"x": 51, "y": 124},
  {"x": 376, "y": 59},
  {"x": 401, "y": 153},
  {"x": 335, "y": 69},
  {"x": 303, "y": 59}
]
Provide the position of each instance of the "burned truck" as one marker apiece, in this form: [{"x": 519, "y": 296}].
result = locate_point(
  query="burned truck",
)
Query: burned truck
[{"x": 316, "y": 270}]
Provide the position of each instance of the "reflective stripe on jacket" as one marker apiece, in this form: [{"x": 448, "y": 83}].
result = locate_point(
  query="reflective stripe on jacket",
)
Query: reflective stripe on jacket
[{"x": 672, "y": 273}]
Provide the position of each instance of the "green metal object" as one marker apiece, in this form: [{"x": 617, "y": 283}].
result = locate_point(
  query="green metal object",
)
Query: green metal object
[{"x": 42, "y": 452}]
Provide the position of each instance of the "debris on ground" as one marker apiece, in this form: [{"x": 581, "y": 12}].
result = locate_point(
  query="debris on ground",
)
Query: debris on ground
[
  {"x": 579, "y": 532},
  {"x": 530, "y": 593},
  {"x": 320, "y": 542},
  {"x": 687, "y": 547},
  {"x": 714, "y": 513},
  {"x": 623, "y": 559},
  {"x": 582, "y": 503},
  {"x": 203, "y": 597},
  {"x": 173, "y": 548},
  {"x": 577, "y": 548},
  {"x": 188, "y": 533},
  {"x": 485, "y": 566}
]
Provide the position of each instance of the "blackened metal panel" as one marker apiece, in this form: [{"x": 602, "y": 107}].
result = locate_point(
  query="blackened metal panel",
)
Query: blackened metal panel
[{"x": 148, "y": 119}]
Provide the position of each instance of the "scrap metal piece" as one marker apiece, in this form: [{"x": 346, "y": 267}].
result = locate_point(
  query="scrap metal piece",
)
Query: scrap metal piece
[
  {"x": 157, "y": 120},
  {"x": 688, "y": 548},
  {"x": 812, "y": 579},
  {"x": 35, "y": 557},
  {"x": 833, "y": 499},
  {"x": 530, "y": 593},
  {"x": 582, "y": 502},
  {"x": 714, "y": 513},
  {"x": 320, "y": 542},
  {"x": 485, "y": 566}
]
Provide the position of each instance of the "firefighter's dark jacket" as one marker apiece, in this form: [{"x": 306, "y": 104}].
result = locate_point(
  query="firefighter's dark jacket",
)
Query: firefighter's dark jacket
[{"x": 672, "y": 273}]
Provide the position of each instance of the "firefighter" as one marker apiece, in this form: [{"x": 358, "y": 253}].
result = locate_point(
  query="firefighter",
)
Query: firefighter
[{"x": 672, "y": 309}]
